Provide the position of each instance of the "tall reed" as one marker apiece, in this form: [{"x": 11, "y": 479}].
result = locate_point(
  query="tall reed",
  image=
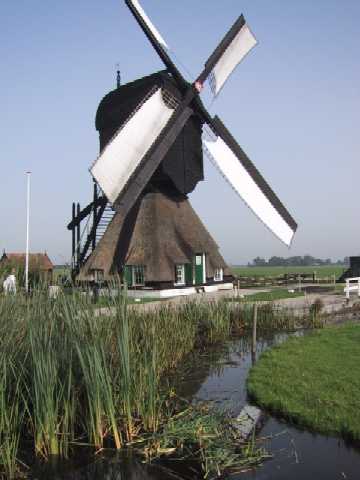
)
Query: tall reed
[
  {"x": 126, "y": 372},
  {"x": 11, "y": 416},
  {"x": 48, "y": 380}
]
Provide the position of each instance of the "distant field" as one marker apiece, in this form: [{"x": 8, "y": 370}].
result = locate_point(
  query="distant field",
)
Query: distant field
[{"x": 322, "y": 271}]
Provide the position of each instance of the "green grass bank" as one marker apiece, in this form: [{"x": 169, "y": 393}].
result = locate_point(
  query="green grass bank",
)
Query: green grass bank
[{"x": 313, "y": 381}]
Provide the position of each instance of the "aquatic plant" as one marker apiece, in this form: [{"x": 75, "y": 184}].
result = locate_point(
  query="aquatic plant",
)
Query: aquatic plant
[{"x": 206, "y": 434}]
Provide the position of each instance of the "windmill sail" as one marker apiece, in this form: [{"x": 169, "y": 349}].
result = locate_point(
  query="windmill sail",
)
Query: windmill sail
[
  {"x": 153, "y": 158},
  {"x": 171, "y": 114},
  {"x": 236, "y": 44},
  {"x": 155, "y": 38},
  {"x": 224, "y": 151},
  {"x": 122, "y": 155},
  {"x": 248, "y": 183},
  {"x": 129, "y": 160},
  {"x": 149, "y": 23}
]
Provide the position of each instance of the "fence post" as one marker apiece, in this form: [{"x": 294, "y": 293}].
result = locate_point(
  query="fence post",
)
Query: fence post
[
  {"x": 253, "y": 345},
  {"x": 358, "y": 286},
  {"x": 347, "y": 288}
]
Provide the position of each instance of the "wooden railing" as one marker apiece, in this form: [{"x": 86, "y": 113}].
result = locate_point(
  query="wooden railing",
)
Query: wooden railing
[{"x": 283, "y": 280}]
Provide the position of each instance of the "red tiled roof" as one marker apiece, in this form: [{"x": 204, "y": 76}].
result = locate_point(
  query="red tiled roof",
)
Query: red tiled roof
[{"x": 36, "y": 260}]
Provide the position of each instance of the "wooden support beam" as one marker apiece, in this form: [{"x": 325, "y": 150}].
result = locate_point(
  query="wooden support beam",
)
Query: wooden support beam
[
  {"x": 73, "y": 238},
  {"x": 94, "y": 214},
  {"x": 77, "y": 236},
  {"x": 86, "y": 211},
  {"x": 91, "y": 234}
]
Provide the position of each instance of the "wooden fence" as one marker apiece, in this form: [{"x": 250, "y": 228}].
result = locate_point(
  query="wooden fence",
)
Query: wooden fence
[{"x": 282, "y": 280}]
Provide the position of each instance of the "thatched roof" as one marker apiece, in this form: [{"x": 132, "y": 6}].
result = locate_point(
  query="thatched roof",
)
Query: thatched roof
[
  {"x": 37, "y": 261},
  {"x": 159, "y": 232}
]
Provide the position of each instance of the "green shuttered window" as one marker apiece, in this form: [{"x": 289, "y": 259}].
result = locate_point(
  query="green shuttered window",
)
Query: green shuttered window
[{"x": 134, "y": 275}]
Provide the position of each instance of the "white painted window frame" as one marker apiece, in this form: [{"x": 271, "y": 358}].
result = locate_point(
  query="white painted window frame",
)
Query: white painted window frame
[
  {"x": 133, "y": 272},
  {"x": 204, "y": 267},
  {"x": 218, "y": 274},
  {"x": 98, "y": 275},
  {"x": 182, "y": 266}
]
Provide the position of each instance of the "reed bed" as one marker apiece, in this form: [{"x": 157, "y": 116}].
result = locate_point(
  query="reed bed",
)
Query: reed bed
[
  {"x": 71, "y": 378},
  {"x": 272, "y": 317}
]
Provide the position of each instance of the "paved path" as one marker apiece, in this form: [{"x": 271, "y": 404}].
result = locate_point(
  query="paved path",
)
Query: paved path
[{"x": 299, "y": 305}]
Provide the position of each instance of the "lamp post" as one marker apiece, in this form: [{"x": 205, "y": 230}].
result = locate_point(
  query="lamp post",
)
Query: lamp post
[{"x": 28, "y": 174}]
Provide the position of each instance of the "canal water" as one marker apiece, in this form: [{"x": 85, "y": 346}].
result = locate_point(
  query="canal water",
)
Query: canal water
[
  {"x": 220, "y": 376},
  {"x": 296, "y": 454}
]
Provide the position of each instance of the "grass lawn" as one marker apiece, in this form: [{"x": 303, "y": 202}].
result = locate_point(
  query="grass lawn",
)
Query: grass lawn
[
  {"x": 313, "y": 381},
  {"x": 276, "y": 294},
  {"x": 322, "y": 271}
]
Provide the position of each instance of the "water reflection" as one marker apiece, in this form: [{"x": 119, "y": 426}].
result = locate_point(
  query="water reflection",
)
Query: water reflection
[
  {"x": 299, "y": 455},
  {"x": 226, "y": 377},
  {"x": 118, "y": 467}
]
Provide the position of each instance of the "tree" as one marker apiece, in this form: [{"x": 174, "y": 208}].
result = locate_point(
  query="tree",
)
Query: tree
[
  {"x": 259, "y": 262},
  {"x": 276, "y": 261}
]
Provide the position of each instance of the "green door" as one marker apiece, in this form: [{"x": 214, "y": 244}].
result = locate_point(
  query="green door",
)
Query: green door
[
  {"x": 199, "y": 268},
  {"x": 188, "y": 273},
  {"x": 127, "y": 275}
]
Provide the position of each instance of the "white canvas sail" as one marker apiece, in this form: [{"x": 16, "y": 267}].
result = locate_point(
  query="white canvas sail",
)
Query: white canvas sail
[
  {"x": 124, "y": 152},
  {"x": 149, "y": 23},
  {"x": 245, "y": 186},
  {"x": 239, "y": 47}
]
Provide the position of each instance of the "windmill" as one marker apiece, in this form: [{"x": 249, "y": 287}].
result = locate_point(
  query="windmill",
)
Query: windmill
[{"x": 153, "y": 132}]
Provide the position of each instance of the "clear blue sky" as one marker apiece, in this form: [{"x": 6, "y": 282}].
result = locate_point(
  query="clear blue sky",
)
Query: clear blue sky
[{"x": 293, "y": 104}]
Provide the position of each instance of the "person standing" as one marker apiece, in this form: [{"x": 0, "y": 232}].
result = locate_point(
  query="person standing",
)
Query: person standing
[{"x": 9, "y": 284}]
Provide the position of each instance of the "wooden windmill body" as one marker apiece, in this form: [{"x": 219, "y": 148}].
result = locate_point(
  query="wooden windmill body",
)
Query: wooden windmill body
[{"x": 151, "y": 135}]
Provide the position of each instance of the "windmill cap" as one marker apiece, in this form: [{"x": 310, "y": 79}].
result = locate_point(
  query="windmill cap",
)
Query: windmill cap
[{"x": 118, "y": 104}]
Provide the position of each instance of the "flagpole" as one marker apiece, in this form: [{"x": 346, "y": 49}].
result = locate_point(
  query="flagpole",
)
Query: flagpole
[{"x": 27, "y": 233}]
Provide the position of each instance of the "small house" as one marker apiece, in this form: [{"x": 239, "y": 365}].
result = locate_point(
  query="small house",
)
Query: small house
[{"x": 40, "y": 265}]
